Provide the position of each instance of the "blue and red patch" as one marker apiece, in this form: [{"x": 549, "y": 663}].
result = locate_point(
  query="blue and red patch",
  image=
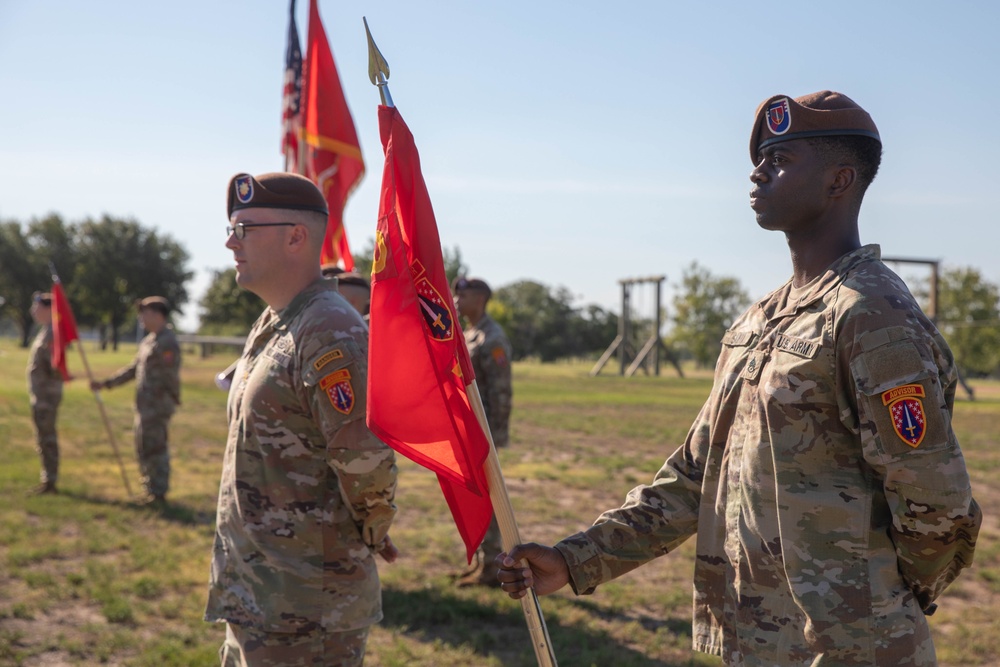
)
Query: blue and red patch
[
  {"x": 907, "y": 412},
  {"x": 339, "y": 390},
  {"x": 779, "y": 116}
]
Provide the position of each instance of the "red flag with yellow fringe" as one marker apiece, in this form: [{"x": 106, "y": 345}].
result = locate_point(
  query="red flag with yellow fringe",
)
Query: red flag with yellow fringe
[{"x": 332, "y": 154}]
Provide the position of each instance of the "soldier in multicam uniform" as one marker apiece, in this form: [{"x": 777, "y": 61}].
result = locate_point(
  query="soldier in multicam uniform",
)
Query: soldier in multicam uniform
[
  {"x": 307, "y": 492},
  {"x": 45, "y": 387},
  {"x": 156, "y": 371},
  {"x": 823, "y": 478},
  {"x": 490, "y": 352}
]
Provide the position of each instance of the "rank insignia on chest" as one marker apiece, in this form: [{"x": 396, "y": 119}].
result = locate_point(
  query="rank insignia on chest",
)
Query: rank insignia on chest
[
  {"x": 339, "y": 390},
  {"x": 754, "y": 363},
  {"x": 907, "y": 412}
]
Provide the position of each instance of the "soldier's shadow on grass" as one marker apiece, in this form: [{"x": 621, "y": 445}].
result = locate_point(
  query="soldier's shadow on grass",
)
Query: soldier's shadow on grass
[
  {"x": 170, "y": 511},
  {"x": 434, "y": 615}
]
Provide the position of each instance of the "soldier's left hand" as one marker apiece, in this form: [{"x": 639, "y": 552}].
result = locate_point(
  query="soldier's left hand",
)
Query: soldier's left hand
[{"x": 388, "y": 552}]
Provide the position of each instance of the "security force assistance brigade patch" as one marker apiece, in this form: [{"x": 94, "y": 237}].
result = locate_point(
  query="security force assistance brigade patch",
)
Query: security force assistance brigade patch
[
  {"x": 907, "y": 412},
  {"x": 337, "y": 386}
]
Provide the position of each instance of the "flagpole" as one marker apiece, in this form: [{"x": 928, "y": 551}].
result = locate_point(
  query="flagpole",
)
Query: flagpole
[
  {"x": 509, "y": 535},
  {"x": 100, "y": 403},
  {"x": 378, "y": 73}
]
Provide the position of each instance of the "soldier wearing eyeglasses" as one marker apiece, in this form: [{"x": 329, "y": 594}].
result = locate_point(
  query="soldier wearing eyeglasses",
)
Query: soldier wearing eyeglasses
[{"x": 307, "y": 492}]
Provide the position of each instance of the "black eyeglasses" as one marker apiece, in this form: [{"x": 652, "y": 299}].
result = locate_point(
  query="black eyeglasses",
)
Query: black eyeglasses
[{"x": 240, "y": 229}]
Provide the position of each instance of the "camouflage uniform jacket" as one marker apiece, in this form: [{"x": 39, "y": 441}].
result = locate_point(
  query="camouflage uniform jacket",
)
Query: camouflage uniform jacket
[
  {"x": 490, "y": 352},
  {"x": 307, "y": 492},
  {"x": 45, "y": 382},
  {"x": 829, "y": 494},
  {"x": 156, "y": 371}
]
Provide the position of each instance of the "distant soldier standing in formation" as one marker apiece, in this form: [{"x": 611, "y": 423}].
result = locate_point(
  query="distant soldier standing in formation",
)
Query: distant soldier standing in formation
[
  {"x": 45, "y": 387},
  {"x": 307, "y": 492},
  {"x": 156, "y": 371},
  {"x": 490, "y": 352},
  {"x": 828, "y": 491}
]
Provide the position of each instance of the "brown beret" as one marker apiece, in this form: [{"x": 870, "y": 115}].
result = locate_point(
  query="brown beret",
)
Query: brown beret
[
  {"x": 44, "y": 298},
  {"x": 158, "y": 303},
  {"x": 475, "y": 284},
  {"x": 275, "y": 190},
  {"x": 352, "y": 278},
  {"x": 822, "y": 114}
]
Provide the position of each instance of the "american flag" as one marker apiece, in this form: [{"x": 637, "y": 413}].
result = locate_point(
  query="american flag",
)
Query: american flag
[{"x": 291, "y": 116}]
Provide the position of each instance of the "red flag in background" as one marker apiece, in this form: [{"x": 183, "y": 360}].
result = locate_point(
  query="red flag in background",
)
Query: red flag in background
[
  {"x": 63, "y": 328},
  {"x": 418, "y": 365},
  {"x": 291, "y": 116},
  {"x": 332, "y": 154}
]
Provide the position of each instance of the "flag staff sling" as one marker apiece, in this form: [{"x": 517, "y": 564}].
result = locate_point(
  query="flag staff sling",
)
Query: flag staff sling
[
  {"x": 100, "y": 403},
  {"x": 378, "y": 72}
]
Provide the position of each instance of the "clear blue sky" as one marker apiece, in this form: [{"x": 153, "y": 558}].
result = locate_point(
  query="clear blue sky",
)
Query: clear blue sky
[{"x": 573, "y": 143}]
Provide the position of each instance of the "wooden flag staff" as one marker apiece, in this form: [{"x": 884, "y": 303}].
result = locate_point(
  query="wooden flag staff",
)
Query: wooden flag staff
[
  {"x": 378, "y": 72},
  {"x": 100, "y": 403}
]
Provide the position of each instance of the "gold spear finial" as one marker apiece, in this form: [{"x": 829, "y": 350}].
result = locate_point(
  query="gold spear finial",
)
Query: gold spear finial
[{"x": 378, "y": 68}]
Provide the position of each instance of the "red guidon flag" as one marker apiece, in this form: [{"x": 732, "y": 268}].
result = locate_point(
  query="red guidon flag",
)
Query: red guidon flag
[
  {"x": 63, "y": 329},
  {"x": 332, "y": 155},
  {"x": 418, "y": 365}
]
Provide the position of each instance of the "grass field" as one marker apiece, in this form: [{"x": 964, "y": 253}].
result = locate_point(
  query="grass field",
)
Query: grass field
[{"x": 87, "y": 577}]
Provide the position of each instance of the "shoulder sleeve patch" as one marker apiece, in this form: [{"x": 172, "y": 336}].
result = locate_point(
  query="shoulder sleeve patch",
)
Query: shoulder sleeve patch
[
  {"x": 499, "y": 356},
  {"x": 906, "y": 409},
  {"x": 339, "y": 390}
]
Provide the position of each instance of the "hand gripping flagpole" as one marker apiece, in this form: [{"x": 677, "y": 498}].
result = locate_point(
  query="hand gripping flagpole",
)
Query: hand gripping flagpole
[
  {"x": 97, "y": 397},
  {"x": 378, "y": 72}
]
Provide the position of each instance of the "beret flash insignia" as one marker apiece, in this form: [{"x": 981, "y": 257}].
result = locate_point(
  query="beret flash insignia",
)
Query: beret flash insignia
[
  {"x": 244, "y": 188},
  {"x": 779, "y": 116}
]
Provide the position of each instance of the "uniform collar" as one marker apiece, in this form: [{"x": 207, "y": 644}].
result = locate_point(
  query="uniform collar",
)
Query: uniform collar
[
  {"x": 284, "y": 317},
  {"x": 784, "y": 304}
]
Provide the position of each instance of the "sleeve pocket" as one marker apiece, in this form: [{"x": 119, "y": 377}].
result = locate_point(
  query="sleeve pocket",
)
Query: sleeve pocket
[{"x": 903, "y": 400}]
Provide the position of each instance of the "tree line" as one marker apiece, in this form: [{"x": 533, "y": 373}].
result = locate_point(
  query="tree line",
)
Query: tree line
[{"x": 108, "y": 263}]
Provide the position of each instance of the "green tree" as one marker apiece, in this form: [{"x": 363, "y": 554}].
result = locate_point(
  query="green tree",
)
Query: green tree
[
  {"x": 22, "y": 273},
  {"x": 542, "y": 322},
  {"x": 704, "y": 307},
  {"x": 119, "y": 261},
  {"x": 226, "y": 308},
  {"x": 969, "y": 319}
]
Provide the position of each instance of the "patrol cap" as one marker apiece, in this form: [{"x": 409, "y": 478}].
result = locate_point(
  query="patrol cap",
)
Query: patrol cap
[
  {"x": 274, "y": 190},
  {"x": 475, "y": 284},
  {"x": 352, "y": 278},
  {"x": 44, "y": 298},
  {"x": 157, "y": 303},
  {"x": 823, "y": 114}
]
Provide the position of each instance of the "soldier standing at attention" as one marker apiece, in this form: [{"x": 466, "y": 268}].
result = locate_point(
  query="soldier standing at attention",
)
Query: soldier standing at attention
[
  {"x": 827, "y": 488},
  {"x": 45, "y": 387},
  {"x": 490, "y": 352},
  {"x": 156, "y": 371},
  {"x": 307, "y": 492}
]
